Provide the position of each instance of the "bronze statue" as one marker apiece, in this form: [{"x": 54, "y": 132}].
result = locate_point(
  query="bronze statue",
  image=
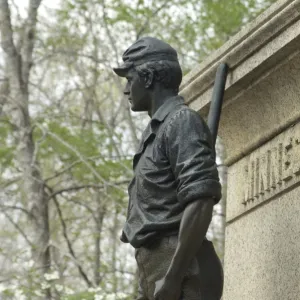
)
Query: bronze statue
[{"x": 175, "y": 184}]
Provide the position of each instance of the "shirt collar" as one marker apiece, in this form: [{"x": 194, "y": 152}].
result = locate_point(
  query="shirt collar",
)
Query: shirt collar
[{"x": 167, "y": 107}]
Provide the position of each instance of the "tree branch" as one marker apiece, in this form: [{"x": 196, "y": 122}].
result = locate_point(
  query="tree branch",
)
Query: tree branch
[
  {"x": 69, "y": 244},
  {"x": 28, "y": 213},
  {"x": 6, "y": 184},
  {"x": 146, "y": 23},
  {"x": 4, "y": 93},
  {"x": 85, "y": 186},
  {"x": 29, "y": 39},
  {"x": 82, "y": 158},
  {"x": 8, "y": 46},
  {"x": 63, "y": 170},
  {"x": 108, "y": 32},
  {"x": 19, "y": 229},
  {"x": 71, "y": 53},
  {"x": 88, "y": 208}
]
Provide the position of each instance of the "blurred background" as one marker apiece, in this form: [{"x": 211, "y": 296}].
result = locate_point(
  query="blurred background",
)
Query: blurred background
[{"x": 67, "y": 135}]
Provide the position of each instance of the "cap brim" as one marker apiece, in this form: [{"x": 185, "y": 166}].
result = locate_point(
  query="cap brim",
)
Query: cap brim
[{"x": 123, "y": 70}]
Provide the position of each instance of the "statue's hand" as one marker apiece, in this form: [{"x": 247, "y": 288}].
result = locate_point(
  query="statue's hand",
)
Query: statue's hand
[{"x": 167, "y": 289}]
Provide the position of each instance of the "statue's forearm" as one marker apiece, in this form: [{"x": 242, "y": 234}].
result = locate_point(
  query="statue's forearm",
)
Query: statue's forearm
[{"x": 193, "y": 227}]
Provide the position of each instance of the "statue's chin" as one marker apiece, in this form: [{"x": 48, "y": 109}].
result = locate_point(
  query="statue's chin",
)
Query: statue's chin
[
  {"x": 133, "y": 107},
  {"x": 137, "y": 107}
]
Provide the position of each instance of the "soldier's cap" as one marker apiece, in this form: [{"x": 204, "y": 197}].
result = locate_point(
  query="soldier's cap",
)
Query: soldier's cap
[{"x": 144, "y": 50}]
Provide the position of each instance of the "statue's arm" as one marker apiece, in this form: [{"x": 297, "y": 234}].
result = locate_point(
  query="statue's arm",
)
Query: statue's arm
[
  {"x": 193, "y": 227},
  {"x": 189, "y": 149}
]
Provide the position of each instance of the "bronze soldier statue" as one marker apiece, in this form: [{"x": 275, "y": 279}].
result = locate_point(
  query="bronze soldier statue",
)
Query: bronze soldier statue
[{"x": 175, "y": 183}]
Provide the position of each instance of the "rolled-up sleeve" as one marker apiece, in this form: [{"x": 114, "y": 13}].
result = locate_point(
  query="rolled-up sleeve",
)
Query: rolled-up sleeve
[{"x": 191, "y": 155}]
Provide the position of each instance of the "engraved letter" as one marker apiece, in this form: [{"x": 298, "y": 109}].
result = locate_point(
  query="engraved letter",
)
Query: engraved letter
[
  {"x": 287, "y": 170},
  {"x": 276, "y": 166},
  {"x": 263, "y": 165},
  {"x": 250, "y": 182}
]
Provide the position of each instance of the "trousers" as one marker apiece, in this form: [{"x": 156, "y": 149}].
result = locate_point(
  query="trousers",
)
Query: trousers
[{"x": 202, "y": 281}]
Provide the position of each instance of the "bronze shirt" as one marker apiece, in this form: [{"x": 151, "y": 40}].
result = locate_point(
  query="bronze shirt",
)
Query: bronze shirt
[{"x": 174, "y": 165}]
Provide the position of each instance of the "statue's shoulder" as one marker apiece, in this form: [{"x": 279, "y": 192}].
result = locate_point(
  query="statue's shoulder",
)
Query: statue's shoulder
[{"x": 183, "y": 113}]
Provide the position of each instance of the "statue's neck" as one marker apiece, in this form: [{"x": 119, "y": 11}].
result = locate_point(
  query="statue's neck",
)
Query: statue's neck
[{"x": 158, "y": 98}]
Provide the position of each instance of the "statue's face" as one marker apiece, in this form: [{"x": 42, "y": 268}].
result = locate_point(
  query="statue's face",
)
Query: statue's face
[{"x": 135, "y": 89}]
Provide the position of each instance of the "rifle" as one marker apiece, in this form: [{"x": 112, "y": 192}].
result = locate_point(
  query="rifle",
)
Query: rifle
[{"x": 217, "y": 100}]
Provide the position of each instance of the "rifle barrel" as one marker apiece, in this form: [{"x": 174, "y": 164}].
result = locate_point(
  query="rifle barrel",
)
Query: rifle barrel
[{"x": 217, "y": 100}]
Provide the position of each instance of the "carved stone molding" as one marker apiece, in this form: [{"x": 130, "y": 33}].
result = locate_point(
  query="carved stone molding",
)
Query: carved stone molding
[
  {"x": 265, "y": 174},
  {"x": 262, "y": 58}
]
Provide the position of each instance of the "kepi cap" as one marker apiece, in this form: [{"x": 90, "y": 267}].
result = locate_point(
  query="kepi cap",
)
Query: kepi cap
[{"x": 144, "y": 50}]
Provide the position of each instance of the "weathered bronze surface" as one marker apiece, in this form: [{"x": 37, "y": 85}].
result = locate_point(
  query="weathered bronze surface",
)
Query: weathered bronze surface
[{"x": 175, "y": 184}]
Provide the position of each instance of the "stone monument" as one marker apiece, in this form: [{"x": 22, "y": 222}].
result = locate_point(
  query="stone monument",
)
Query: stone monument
[{"x": 260, "y": 128}]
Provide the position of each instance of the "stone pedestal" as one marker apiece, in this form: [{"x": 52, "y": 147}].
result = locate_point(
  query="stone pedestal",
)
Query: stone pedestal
[{"x": 260, "y": 128}]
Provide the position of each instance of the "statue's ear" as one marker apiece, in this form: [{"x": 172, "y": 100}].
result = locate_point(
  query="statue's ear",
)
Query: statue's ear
[{"x": 149, "y": 78}]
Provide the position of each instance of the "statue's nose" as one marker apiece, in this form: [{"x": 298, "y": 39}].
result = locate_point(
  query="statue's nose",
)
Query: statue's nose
[{"x": 126, "y": 90}]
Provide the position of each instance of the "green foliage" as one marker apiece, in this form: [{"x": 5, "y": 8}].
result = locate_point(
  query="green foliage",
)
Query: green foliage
[
  {"x": 223, "y": 19},
  {"x": 79, "y": 296},
  {"x": 7, "y": 149},
  {"x": 87, "y": 148}
]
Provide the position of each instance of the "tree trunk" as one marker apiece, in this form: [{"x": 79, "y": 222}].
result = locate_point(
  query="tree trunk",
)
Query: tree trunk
[
  {"x": 114, "y": 248},
  {"x": 100, "y": 213},
  {"x": 18, "y": 68}
]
